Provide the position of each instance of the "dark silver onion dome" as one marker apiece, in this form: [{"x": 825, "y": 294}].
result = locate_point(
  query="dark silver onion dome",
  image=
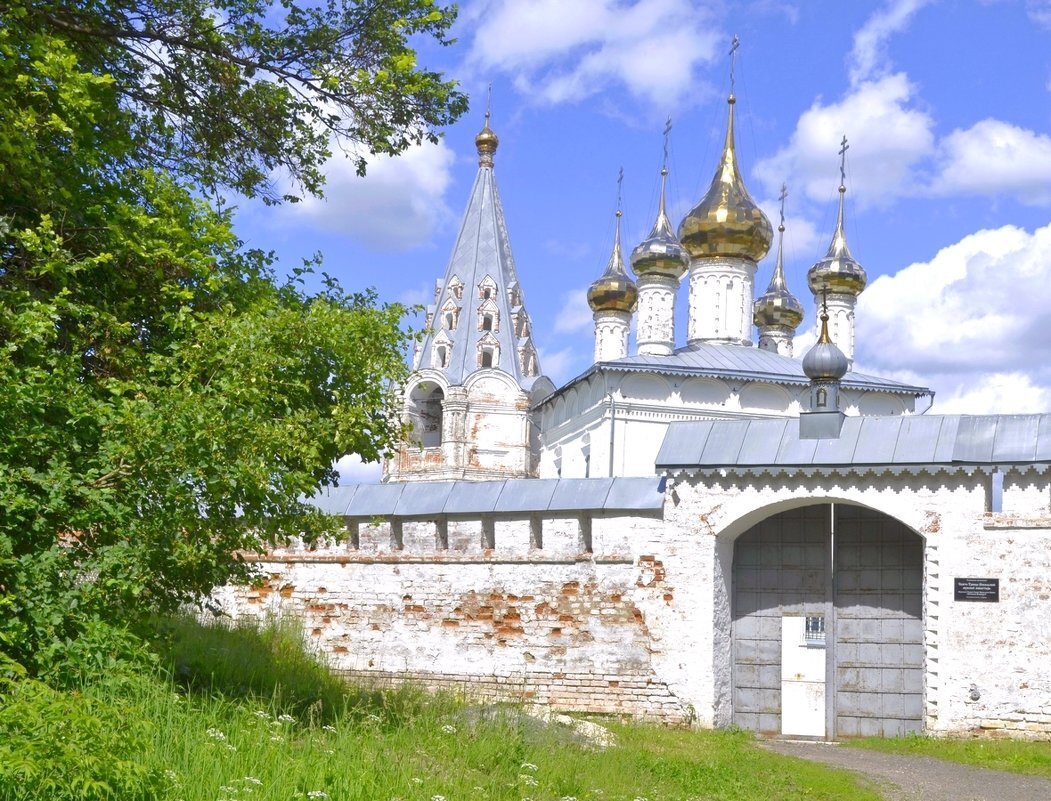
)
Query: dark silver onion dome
[
  {"x": 777, "y": 306},
  {"x": 824, "y": 361},
  {"x": 660, "y": 253},
  {"x": 614, "y": 290}
]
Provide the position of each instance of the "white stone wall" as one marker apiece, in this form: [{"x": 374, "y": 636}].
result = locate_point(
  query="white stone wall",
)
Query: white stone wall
[
  {"x": 655, "y": 331},
  {"x": 555, "y": 625},
  {"x": 611, "y": 335},
  {"x": 721, "y": 298},
  {"x": 577, "y": 423},
  {"x": 1000, "y": 650},
  {"x": 631, "y": 613}
]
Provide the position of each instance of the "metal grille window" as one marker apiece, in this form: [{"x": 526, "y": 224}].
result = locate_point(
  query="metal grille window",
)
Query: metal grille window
[{"x": 814, "y": 633}]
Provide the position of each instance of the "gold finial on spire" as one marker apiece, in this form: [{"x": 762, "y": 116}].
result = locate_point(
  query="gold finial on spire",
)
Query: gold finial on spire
[
  {"x": 839, "y": 271},
  {"x": 614, "y": 290},
  {"x": 824, "y": 339},
  {"x": 727, "y": 222},
  {"x": 487, "y": 141},
  {"x": 736, "y": 43},
  {"x": 778, "y": 306},
  {"x": 661, "y": 253}
]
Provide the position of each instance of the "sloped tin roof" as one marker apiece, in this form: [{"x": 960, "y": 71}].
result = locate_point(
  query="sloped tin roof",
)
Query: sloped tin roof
[
  {"x": 513, "y": 496},
  {"x": 864, "y": 441}
]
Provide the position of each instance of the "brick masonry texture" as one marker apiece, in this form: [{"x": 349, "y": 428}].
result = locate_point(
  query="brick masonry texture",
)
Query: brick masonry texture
[{"x": 641, "y": 624}]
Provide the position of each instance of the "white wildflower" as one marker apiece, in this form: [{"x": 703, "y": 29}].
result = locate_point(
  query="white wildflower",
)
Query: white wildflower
[
  {"x": 529, "y": 766},
  {"x": 326, "y": 727},
  {"x": 417, "y": 780},
  {"x": 288, "y": 719},
  {"x": 317, "y": 794},
  {"x": 437, "y": 798},
  {"x": 262, "y": 713},
  {"x": 215, "y": 734},
  {"x": 527, "y": 780},
  {"x": 171, "y": 775},
  {"x": 252, "y": 780},
  {"x": 448, "y": 728}
]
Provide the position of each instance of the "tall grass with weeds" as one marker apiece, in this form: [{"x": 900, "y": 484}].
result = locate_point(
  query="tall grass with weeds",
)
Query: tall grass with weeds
[{"x": 243, "y": 715}]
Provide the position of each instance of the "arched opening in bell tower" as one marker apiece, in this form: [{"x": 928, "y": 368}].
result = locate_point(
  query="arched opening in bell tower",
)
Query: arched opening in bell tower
[{"x": 425, "y": 412}]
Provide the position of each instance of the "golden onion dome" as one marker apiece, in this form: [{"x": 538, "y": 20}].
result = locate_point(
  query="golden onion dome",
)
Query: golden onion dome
[
  {"x": 660, "y": 253},
  {"x": 777, "y": 306},
  {"x": 727, "y": 222},
  {"x": 614, "y": 290},
  {"x": 838, "y": 272},
  {"x": 487, "y": 142}
]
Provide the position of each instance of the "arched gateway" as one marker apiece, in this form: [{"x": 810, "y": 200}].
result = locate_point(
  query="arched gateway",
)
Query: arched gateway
[{"x": 827, "y": 624}]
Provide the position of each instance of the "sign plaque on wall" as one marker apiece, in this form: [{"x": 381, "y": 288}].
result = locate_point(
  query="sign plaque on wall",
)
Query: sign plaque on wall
[{"x": 976, "y": 589}]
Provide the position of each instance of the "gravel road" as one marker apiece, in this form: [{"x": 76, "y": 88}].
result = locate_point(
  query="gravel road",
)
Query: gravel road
[{"x": 909, "y": 778}]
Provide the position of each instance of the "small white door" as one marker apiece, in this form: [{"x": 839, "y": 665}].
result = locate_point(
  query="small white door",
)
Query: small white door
[{"x": 803, "y": 675}]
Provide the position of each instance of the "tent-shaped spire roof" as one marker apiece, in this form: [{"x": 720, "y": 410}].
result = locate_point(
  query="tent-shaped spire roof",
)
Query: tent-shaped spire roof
[{"x": 479, "y": 318}]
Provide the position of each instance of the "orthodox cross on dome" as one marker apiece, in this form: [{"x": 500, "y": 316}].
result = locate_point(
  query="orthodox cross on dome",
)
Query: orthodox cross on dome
[
  {"x": 620, "y": 187},
  {"x": 781, "y": 197},
  {"x": 667, "y": 134},
  {"x": 843, "y": 148},
  {"x": 489, "y": 101},
  {"x": 736, "y": 43}
]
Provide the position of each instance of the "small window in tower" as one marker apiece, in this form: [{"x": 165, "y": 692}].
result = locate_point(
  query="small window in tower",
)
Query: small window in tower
[
  {"x": 487, "y": 358},
  {"x": 450, "y": 321},
  {"x": 442, "y": 356},
  {"x": 487, "y": 293},
  {"x": 822, "y": 398},
  {"x": 487, "y": 322}
]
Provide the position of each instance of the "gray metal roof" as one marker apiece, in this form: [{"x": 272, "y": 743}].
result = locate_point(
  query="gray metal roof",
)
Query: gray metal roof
[
  {"x": 513, "y": 496},
  {"x": 482, "y": 249},
  {"x": 876, "y": 441},
  {"x": 740, "y": 362}
]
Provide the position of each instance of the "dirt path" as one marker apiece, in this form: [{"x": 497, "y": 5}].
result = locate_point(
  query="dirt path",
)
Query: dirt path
[{"x": 909, "y": 778}]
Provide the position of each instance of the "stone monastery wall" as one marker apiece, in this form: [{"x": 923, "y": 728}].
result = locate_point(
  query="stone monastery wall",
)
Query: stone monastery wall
[
  {"x": 554, "y": 625},
  {"x": 633, "y": 614}
]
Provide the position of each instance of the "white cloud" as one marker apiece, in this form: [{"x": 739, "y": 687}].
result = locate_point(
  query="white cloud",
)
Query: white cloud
[
  {"x": 868, "y": 58},
  {"x": 575, "y": 314},
  {"x": 887, "y": 140},
  {"x": 562, "y": 365},
  {"x": 997, "y": 393},
  {"x": 396, "y": 206},
  {"x": 1039, "y": 12},
  {"x": 994, "y": 157},
  {"x": 562, "y": 52},
  {"x": 972, "y": 322},
  {"x": 353, "y": 471}
]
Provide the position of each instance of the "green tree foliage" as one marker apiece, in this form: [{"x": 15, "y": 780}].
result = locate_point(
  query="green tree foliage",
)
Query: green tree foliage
[
  {"x": 165, "y": 401},
  {"x": 228, "y": 91}
]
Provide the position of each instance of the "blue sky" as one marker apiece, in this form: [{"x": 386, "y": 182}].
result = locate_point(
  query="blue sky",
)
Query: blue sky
[{"x": 946, "y": 104}]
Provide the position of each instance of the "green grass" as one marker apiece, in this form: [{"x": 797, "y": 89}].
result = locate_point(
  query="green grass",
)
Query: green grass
[
  {"x": 1015, "y": 756},
  {"x": 245, "y": 716}
]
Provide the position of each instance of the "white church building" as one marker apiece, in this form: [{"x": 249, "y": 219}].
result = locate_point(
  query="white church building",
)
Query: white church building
[{"x": 714, "y": 531}]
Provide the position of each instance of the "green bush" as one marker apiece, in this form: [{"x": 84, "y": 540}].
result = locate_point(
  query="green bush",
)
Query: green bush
[{"x": 74, "y": 745}]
